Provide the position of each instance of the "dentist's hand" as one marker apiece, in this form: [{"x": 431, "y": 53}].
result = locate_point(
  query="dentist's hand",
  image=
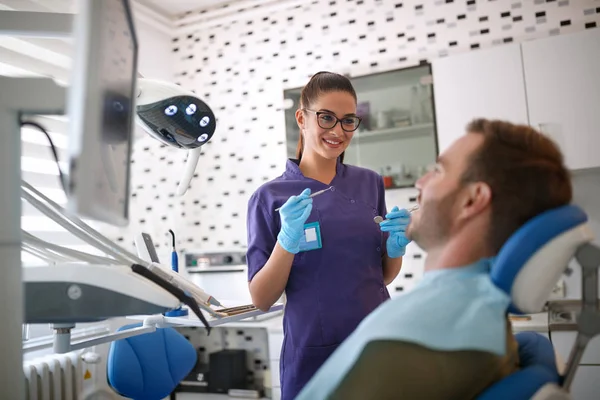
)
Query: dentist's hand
[
  {"x": 294, "y": 214},
  {"x": 395, "y": 223}
]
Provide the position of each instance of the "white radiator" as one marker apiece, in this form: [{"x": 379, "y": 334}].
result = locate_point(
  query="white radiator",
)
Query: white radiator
[{"x": 54, "y": 377}]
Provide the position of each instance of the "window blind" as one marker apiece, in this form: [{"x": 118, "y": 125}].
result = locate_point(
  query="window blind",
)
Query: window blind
[{"x": 37, "y": 57}]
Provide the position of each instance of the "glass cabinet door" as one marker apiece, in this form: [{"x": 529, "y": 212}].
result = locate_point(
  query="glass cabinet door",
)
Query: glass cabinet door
[{"x": 396, "y": 137}]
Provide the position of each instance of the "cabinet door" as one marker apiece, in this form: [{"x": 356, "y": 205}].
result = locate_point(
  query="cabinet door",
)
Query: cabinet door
[
  {"x": 483, "y": 83},
  {"x": 562, "y": 76}
]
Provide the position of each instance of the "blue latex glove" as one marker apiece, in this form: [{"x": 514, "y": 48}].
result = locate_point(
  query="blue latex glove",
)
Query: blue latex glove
[
  {"x": 294, "y": 214},
  {"x": 395, "y": 223}
]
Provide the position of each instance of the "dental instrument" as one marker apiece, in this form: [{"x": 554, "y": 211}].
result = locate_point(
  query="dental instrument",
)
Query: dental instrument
[
  {"x": 174, "y": 259},
  {"x": 313, "y": 195},
  {"x": 175, "y": 268},
  {"x": 179, "y": 312},
  {"x": 379, "y": 219}
]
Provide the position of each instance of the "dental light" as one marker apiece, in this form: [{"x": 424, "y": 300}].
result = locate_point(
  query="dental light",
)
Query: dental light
[{"x": 177, "y": 118}]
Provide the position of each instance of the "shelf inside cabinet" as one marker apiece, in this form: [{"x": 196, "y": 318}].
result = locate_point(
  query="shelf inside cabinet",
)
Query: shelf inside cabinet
[{"x": 394, "y": 133}]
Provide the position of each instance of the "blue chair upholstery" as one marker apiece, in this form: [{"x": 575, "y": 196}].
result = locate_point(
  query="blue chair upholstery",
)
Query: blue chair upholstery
[
  {"x": 536, "y": 349},
  {"x": 539, "y": 252},
  {"x": 527, "y": 268},
  {"x": 538, "y": 368},
  {"x": 149, "y": 366}
]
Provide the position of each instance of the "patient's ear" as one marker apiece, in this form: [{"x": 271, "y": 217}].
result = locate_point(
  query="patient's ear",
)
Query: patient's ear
[{"x": 478, "y": 198}]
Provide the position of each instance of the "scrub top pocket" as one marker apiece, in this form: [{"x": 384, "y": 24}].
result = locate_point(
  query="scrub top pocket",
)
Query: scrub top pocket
[{"x": 301, "y": 257}]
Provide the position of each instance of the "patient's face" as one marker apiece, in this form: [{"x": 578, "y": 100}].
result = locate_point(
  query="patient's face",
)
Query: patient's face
[{"x": 439, "y": 194}]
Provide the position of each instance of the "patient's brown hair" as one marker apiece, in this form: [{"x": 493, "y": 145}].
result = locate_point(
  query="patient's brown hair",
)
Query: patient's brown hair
[{"x": 525, "y": 171}]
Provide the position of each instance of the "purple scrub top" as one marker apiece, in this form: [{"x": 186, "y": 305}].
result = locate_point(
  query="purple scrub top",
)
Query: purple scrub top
[{"x": 330, "y": 290}]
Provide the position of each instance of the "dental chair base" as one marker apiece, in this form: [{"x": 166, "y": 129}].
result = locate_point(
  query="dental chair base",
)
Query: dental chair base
[
  {"x": 551, "y": 391},
  {"x": 588, "y": 324}
]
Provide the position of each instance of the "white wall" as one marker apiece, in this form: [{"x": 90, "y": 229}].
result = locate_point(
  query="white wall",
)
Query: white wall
[
  {"x": 155, "y": 59},
  {"x": 240, "y": 68}
]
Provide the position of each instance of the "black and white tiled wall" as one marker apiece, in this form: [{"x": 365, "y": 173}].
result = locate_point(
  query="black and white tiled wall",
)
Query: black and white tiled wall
[{"x": 241, "y": 69}]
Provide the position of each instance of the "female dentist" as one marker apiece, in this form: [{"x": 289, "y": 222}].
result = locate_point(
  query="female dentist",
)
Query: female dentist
[{"x": 326, "y": 253}]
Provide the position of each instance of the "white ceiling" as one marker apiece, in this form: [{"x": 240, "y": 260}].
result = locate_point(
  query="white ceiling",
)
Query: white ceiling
[
  {"x": 28, "y": 56},
  {"x": 177, "y": 7},
  {"x": 168, "y": 8}
]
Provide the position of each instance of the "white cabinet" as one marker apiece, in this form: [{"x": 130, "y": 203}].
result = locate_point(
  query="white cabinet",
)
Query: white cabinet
[
  {"x": 552, "y": 84},
  {"x": 562, "y": 77},
  {"x": 484, "y": 83}
]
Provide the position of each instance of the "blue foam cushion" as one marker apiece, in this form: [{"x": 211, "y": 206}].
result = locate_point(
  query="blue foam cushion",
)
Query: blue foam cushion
[
  {"x": 537, "y": 360},
  {"x": 528, "y": 239},
  {"x": 536, "y": 349},
  {"x": 151, "y": 365}
]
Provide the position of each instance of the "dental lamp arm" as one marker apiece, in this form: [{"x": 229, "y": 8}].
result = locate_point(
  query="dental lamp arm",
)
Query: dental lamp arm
[{"x": 188, "y": 173}]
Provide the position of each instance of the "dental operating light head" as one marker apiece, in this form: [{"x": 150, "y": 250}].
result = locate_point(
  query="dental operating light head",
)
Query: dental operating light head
[{"x": 175, "y": 117}]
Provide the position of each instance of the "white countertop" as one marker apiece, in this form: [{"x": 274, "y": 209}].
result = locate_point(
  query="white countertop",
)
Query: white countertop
[
  {"x": 274, "y": 324},
  {"x": 240, "y": 320},
  {"x": 537, "y": 323}
]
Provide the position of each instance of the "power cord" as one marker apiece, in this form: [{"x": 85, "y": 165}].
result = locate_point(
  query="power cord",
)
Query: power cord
[{"x": 53, "y": 148}]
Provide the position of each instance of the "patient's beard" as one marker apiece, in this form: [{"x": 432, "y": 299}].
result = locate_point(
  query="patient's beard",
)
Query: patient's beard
[{"x": 432, "y": 230}]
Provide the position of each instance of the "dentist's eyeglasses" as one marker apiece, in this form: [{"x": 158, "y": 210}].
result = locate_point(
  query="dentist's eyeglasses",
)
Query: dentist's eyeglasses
[{"x": 327, "y": 120}]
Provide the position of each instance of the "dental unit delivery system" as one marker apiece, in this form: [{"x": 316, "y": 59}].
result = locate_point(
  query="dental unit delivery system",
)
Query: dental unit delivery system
[{"x": 119, "y": 255}]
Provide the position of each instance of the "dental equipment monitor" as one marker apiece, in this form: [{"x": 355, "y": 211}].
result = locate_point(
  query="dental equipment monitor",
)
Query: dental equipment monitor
[{"x": 101, "y": 106}]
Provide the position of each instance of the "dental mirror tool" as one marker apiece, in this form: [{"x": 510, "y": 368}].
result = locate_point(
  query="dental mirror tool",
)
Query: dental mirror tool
[
  {"x": 313, "y": 195},
  {"x": 378, "y": 219}
]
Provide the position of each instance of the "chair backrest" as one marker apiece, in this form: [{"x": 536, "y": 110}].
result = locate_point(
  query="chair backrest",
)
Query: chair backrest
[
  {"x": 151, "y": 365},
  {"x": 534, "y": 257}
]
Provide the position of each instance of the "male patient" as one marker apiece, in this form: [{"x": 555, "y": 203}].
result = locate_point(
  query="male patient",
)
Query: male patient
[{"x": 449, "y": 337}]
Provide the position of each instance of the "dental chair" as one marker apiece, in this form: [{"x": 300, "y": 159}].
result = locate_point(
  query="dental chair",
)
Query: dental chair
[
  {"x": 527, "y": 268},
  {"x": 151, "y": 365}
]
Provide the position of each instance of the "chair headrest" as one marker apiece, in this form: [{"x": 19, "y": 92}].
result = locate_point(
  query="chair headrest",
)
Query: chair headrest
[
  {"x": 149, "y": 366},
  {"x": 534, "y": 257}
]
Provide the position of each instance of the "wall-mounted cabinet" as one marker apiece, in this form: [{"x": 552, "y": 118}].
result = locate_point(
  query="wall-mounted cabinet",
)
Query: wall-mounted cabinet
[
  {"x": 552, "y": 84},
  {"x": 484, "y": 83},
  {"x": 562, "y": 77},
  {"x": 396, "y": 137}
]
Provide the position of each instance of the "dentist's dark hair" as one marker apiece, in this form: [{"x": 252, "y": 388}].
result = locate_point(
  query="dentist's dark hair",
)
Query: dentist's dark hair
[
  {"x": 320, "y": 83},
  {"x": 525, "y": 171}
]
